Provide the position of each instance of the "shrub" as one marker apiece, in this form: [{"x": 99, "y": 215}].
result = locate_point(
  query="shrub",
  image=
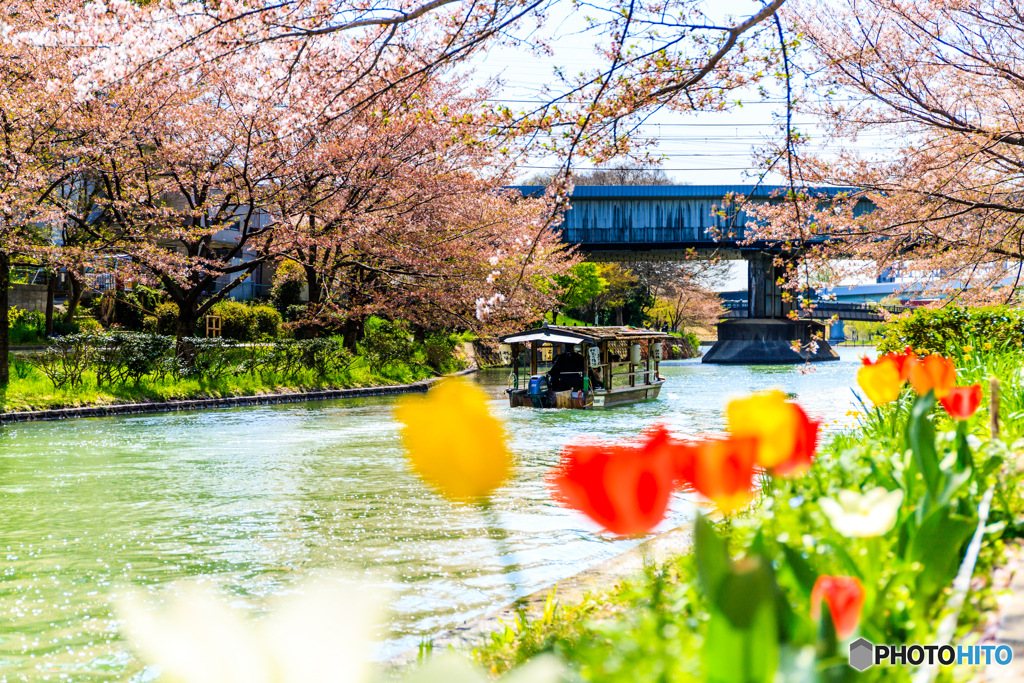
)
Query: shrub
[
  {"x": 66, "y": 358},
  {"x": 236, "y": 320},
  {"x": 948, "y": 330},
  {"x": 88, "y": 325},
  {"x": 440, "y": 352},
  {"x": 123, "y": 356},
  {"x": 386, "y": 342},
  {"x": 287, "y": 288},
  {"x": 266, "y": 321},
  {"x": 150, "y": 324},
  {"x": 25, "y": 326},
  {"x": 208, "y": 358},
  {"x": 167, "y": 319}
]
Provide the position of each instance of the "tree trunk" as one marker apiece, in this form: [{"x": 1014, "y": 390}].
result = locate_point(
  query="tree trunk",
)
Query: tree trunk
[
  {"x": 353, "y": 333},
  {"x": 618, "y": 315},
  {"x": 313, "y": 283},
  {"x": 5, "y": 340},
  {"x": 51, "y": 285},
  {"x": 77, "y": 288},
  {"x": 419, "y": 334},
  {"x": 184, "y": 350}
]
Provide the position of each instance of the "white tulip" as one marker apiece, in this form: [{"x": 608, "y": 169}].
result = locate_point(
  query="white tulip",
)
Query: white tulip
[
  {"x": 318, "y": 634},
  {"x": 863, "y": 515}
]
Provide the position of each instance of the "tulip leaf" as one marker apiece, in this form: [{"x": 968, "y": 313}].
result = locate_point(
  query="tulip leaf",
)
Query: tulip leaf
[
  {"x": 733, "y": 655},
  {"x": 744, "y": 588},
  {"x": 802, "y": 571},
  {"x": 964, "y": 459},
  {"x": 921, "y": 439},
  {"x": 936, "y": 545},
  {"x": 953, "y": 483},
  {"x": 712, "y": 555}
]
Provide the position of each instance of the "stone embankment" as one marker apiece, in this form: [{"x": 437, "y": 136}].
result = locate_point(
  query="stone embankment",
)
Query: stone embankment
[{"x": 214, "y": 403}]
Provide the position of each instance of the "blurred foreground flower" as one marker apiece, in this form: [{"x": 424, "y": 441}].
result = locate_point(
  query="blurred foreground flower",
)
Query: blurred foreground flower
[
  {"x": 786, "y": 437},
  {"x": 844, "y": 596},
  {"x": 624, "y": 487},
  {"x": 317, "y": 634},
  {"x": 453, "y": 441},
  {"x": 866, "y": 515},
  {"x": 962, "y": 402},
  {"x": 721, "y": 470},
  {"x": 932, "y": 373},
  {"x": 881, "y": 381}
]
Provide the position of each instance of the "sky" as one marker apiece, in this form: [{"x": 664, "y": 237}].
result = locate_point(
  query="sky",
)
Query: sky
[{"x": 714, "y": 148}]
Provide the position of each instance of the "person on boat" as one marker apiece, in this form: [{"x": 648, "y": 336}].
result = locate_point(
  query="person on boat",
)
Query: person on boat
[{"x": 567, "y": 372}]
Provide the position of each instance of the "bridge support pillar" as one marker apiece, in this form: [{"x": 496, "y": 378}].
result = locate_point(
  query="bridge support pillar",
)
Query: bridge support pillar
[{"x": 767, "y": 336}]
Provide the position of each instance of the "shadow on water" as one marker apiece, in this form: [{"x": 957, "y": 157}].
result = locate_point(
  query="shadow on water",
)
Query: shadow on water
[{"x": 253, "y": 499}]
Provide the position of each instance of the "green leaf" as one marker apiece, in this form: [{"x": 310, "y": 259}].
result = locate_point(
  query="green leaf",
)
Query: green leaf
[
  {"x": 953, "y": 482},
  {"x": 802, "y": 571},
  {"x": 712, "y": 555},
  {"x": 964, "y": 459},
  {"x": 732, "y": 655},
  {"x": 743, "y": 589},
  {"x": 936, "y": 545},
  {"x": 921, "y": 439}
]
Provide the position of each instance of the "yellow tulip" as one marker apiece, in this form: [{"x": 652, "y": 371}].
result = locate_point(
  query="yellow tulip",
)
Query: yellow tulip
[
  {"x": 768, "y": 418},
  {"x": 453, "y": 442},
  {"x": 881, "y": 381}
]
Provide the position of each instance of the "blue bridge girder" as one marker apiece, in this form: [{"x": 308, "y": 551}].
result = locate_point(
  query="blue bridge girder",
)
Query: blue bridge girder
[
  {"x": 825, "y": 310},
  {"x": 664, "y": 222}
]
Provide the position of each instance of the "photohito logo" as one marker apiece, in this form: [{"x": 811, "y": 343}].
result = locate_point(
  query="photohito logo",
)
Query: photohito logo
[{"x": 865, "y": 654}]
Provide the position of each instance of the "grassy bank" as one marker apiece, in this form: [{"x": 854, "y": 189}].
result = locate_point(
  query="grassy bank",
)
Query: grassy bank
[
  {"x": 30, "y": 389},
  {"x": 658, "y": 627}
]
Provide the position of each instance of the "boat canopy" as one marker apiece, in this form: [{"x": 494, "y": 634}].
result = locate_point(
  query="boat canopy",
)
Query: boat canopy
[{"x": 560, "y": 334}]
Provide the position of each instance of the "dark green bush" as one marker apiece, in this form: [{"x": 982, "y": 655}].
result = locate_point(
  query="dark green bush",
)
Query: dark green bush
[
  {"x": 167, "y": 319},
  {"x": 948, "y": 330},
  {"x": 386, "y": 341},
  {"x": 287, "y": 289},
  {"x": 123, "y": 356},
  {"x": 266, "y": 321},
  {"x": 236, "y": 320},
  {"x": 440, "y": 351}
]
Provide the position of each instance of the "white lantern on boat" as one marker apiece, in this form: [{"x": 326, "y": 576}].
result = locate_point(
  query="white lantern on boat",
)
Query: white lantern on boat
[
  {"x": 595, "y": 356},
  {"x": 657, "y": 351},
  {"x": 634, "y": 354},
  {"x": 505, "y": 353}
]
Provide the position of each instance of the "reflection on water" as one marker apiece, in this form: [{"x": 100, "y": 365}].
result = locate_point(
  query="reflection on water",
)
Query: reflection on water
[{"x": 252, "y": 499}]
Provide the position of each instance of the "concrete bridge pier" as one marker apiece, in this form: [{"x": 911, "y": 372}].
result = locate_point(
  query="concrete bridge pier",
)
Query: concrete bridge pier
[{"x": 767, "y": 335}]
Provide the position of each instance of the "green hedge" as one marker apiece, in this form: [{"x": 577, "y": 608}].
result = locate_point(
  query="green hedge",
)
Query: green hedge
[{"x": 948, "y": 330}]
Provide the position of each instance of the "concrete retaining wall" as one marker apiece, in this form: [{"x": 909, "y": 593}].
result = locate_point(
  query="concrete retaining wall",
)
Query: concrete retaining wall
[{"x": 28, "y": 297}]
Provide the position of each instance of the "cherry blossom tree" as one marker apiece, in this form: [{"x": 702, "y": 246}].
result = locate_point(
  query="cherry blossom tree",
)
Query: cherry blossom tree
[{"x": 941, "y": 82}]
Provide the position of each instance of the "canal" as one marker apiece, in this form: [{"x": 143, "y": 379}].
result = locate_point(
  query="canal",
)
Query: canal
[{"x": 254, "y": 499}]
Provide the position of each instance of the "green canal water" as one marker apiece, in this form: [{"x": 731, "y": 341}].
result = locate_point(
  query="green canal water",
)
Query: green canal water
[{"x": 254, "y": 499}]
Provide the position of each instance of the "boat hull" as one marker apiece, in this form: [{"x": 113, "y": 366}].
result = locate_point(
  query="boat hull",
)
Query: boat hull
[{"x": 619, "y": 396}]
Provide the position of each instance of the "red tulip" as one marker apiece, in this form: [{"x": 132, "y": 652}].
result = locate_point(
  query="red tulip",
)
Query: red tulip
[
  {"x": 720, "y": 469},
  {"x": 624, "y": 487},
  {"x": 844, "y": 596},
  {"x": 961, "y": 402}
]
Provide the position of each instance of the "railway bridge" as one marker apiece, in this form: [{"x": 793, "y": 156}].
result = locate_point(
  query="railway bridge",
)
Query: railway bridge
[{"x": 633, "y": 223}]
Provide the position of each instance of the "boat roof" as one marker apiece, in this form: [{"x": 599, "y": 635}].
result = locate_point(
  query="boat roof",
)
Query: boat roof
[{"x": 563, "y": 334}]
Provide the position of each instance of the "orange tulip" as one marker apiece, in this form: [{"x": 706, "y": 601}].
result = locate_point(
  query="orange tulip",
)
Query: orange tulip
[
  {"x": 932, "y": 373},
  {"x": 881, "y": 381},
  {"x": 721, "y": 470},
  {"x": 786, "y": 438},
  {"x": 962, "y": 402},
  {"x": 902, "y": 361},
  {"x": 844, "y": 596}
]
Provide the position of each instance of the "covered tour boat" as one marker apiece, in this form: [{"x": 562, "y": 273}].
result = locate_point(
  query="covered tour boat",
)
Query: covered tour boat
[{"x": 592, "y": 367}]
